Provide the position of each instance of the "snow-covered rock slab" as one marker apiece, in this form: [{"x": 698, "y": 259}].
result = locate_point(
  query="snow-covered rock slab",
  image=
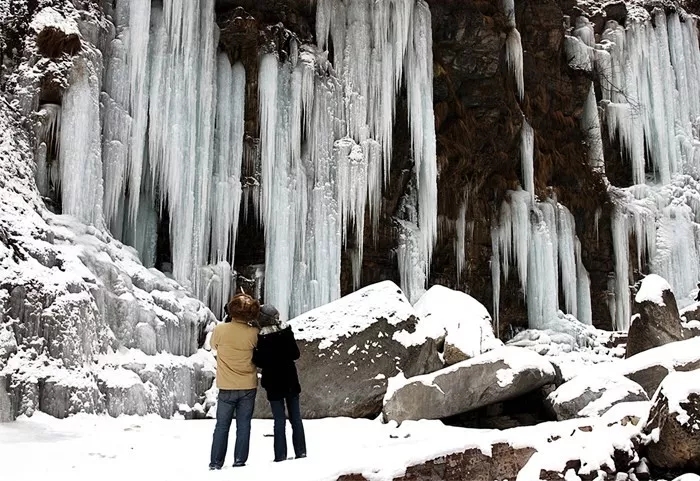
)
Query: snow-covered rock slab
[
  {"x": 650, "y": 367},
  {"x": 492, "y": 377},
  {"x": 655, "y": 319},
  {"x": 589, "y": 395},
  {"x": 350, "y": 347},
  {"x": 461, "y": 320},
  {"x": 674, "y": 422}
]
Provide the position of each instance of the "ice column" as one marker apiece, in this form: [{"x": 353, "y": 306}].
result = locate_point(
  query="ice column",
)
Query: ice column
[
  {"x": 527, "y": 158},
  {"x": 81, "y": 164},
  {"x": 181, "y": 113},
  {"x": 540, "y": 240}
]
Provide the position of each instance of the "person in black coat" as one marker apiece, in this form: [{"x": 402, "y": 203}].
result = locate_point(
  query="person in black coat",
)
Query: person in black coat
[{"x": 275, "y": 355}]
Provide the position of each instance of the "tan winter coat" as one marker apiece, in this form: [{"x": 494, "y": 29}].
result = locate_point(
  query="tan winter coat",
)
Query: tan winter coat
[{"x": 234, "y": 342}]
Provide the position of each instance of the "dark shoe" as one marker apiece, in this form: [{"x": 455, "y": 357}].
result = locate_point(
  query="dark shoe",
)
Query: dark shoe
[
  {"x": 278, "y": 460},
  {"x": 238, "y": 464},
  {"x": 301, "y": 456},
  {"x": 213, "y": 467}
]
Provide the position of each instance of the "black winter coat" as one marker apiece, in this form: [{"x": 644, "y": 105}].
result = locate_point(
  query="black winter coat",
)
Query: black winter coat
[{"x": 275, "y": 355}]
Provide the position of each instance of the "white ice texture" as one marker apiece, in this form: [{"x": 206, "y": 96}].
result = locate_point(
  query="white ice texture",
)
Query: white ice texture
[
  {"x": 539, "y": 240},
  {"x": 173, "y": 143}
]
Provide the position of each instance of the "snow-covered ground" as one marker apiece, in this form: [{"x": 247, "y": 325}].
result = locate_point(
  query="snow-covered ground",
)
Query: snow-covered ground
[{"x": 85, "y": 446}]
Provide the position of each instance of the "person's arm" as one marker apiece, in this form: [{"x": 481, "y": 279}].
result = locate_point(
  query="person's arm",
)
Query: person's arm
[
  {"x": 293, "y": 347},
  {"x": 260, "y": 355},
  {"x": 214, "y": 343}
]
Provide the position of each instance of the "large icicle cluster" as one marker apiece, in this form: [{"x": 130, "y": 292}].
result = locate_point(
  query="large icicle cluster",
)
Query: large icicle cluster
[
  {"x": 649, "y": 76},
  {"x": 539, "y": 240},
  {"x": 173, "y": 126}
]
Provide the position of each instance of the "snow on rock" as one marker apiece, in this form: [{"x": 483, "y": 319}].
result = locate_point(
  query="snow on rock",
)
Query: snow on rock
[
  {"x": 562, "y": 334},
  {"x": 650, "y": 367},
  {"x": 655, "y": 319},
  {"x": 589, "y": 395},
  {"x": 687, "y": 477},
  {"x": 591, "y": 452},
  {"x": 674, "y": 422},
  {"x": 354, "y": 313},
  {"x": 652, "y": 289},
  {"x": 124, "y": 392},
  {"x": 350, "y": 347},
  {"x": 489, "y": 378},
  {"x": 463, "y": 321},
  {"x": 69, "y": 294},
  {"x": 56, "y": 34}
]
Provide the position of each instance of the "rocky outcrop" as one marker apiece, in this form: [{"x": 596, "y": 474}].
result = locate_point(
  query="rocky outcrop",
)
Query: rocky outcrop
[
  {"x": 655, "y": 319},
  {"x": 496, "y": 376},
  {"x": 504, "y": 462},
  {"x": 55, "y": 34},
  {"x": 7, "y": 412},
  {"x": 649, "y": 368},
  {"x": 674, "y": 423},
  {"x": 351, "y": 347},
  {"x": 592, "y": 395}
]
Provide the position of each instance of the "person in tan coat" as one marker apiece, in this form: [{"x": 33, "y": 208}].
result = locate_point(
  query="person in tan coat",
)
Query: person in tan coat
[{"x": 236, "y": 377}]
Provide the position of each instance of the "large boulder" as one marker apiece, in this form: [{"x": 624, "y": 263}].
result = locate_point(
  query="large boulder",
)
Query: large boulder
[
  {"x": 655, "y": 319},
  {"x": 492, "y": 377},
  {"x": 674, "y": 422},
  {"x": 351, "y": 347},
  {"x": 461, "y": 320},
  {"x": 588, "y": 395},
  {"x": 70, "y": 392},
  {"x": 650, "y": 367},
  {"x": 124, "y": 393}
]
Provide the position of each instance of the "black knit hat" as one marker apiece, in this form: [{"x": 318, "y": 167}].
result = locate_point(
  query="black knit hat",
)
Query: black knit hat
[{"x": 269, "y": 315}]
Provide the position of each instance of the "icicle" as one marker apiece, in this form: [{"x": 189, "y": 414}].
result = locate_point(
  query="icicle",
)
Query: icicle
[
  {"x": 81, "y": 164},
  {"x": 583, "y": 287},
  {"x": 508, "y": 7},
  {"x": 590, "y": 124},
  {"x": 621, "y": 251},
  {"x": 579, "y": 54},
  {"x": 422, "y": 122},
  {"x": 181, "y": 126},
  {"x": 568, "y": 260},
  {"x": 514, "y": 59},
  {"x": 527, "y": 158},
  {"x": 496, "y": 277},
  {"x": 411, "y": 270},
  {"x": 139, "y": 25},
  {"x": 460, "y": 239},
  {"x": 585, "y": 31},
  {"x": 542, "y": 288}
]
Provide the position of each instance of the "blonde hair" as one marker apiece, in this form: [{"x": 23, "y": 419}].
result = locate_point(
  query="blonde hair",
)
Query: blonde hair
[{"x": 243, "y": 307}]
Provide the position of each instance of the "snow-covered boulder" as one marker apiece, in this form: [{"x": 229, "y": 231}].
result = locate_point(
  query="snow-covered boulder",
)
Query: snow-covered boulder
[
  {"x": 650, "y": 367},
  {"x": 674, "y": 422},
  {"x": 688, "y": 477},
  {"x": 492, "y": 377},
  {"x": 592, "y": 454},
  {"x": 174, "y": 381},
  {"x": 350, "y": 347},
  {"x": 124, "y": 393},
  {"x": 655, "y": 319},
  {"x": 458, "y": 318},
  {"x": 562, "y": 335},
  {"x": 589, "y": 395},
  {"x": 63, "y": 394}
]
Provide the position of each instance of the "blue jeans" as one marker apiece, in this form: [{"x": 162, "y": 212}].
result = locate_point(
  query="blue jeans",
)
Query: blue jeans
[
  {"x": 298, "y": 438},
  {"x": 241, "y": 403}
]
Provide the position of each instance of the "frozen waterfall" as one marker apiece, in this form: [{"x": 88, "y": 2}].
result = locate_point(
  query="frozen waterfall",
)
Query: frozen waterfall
[
  {"x": 539, "y": 240},
  {"x": 173, "y": 152}
]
